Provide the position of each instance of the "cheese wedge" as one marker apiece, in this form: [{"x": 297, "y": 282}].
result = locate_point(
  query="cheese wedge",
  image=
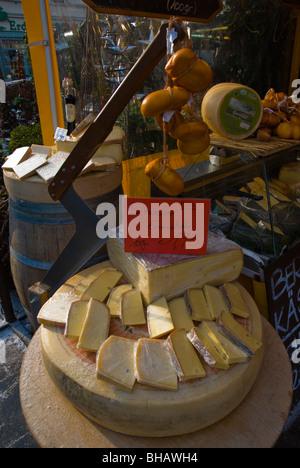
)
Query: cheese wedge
[
  {"x": 171, "y": 275},
  {"x": 180, "y": 314},
  {"x": 18, "y": 156},
  {"x": 95, "y": 328},
  {"x": 75, "y": 319},
  {"x": 153, "y": 364},
  {"x": 231, "y": 353},
  {"x": 100, "y": 287},
  {"x": 184, "y": 357},
  {"x": 114, "y": 299},
  {"x": 116, "y": 362},
  {"x": 238, "y": 334},
  {"x": 159, "y": 318},
  {"x": 215, "y": 300},
  {"x": 197, "y": 304},
  {"x": 95, "y": 270},
  {"x": 235, "y": 301},
  {"x": 199, "y": 339},
  {"x": 132, "y": 308}
]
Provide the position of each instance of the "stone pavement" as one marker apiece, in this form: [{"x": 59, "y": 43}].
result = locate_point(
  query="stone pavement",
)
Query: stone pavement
[{"x": 14, "y": 433}]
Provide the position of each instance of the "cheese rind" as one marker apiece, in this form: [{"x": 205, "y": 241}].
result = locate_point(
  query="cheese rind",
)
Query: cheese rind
[
  {"x": 153, "y": 364},
  {"x": 95, "y": 328},
  {"x": 200, "y": 348},
  {"x": 236, "y": 303},
  {"x": 197, "y": 304},
  {"x": 116, "y": 362},
  {"x": 215, "y": 300},
  {"x": 184, "y": 357},
  {"x": 180, "y": 314},
  {"x": 159, "y": 318},
  {"x": 238, "y": 334},
  {"x": 231, "y": 353},
  {"x": 75, "y": 319},
  {"x": 199, "y": 339},
  {"x": 114, "y": 299},
  {"x": 132, "y": 309}
]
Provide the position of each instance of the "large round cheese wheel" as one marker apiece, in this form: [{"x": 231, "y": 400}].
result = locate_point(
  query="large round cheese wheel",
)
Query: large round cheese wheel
[
  {"x": 148, "y": 411},
  {"x": 232, "y": 110}
]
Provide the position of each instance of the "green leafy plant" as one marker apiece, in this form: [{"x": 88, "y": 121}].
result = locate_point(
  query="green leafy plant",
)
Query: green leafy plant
[{"x": 25, "y": 136}]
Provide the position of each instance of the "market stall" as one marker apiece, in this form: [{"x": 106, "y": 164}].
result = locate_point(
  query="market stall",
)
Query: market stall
[{"x": 195, "y": 346}]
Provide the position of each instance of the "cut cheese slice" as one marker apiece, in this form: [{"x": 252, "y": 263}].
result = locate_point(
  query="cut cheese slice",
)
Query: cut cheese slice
[
  {"x": 18, "y": 156},
  {"x": 236, "y": 303},
  {"x": 199, "y": 339},
  {"x": 116, "y": 362},
  {"x": 159, "y": 318},
  {"x": 171, "y": 275},
  {"x": 226, "y": 348},
  {"x": 238, "y": 334},
  {"x": 95, "y": 328},
  {"x": 94, "y": 270},
  {"x": 197, "y": 304},
  {"x": 114, "y": 299},
  {"x": 180, "y": 314},
  {"x": 100, "y": 287},
  {"x": 132, "y": 308},
  {"x": 153, "y": 364},
  {"x": 215, "y": 300},
  {"x": 75, "y": 319},
  {"x": 184, "y": 357}
]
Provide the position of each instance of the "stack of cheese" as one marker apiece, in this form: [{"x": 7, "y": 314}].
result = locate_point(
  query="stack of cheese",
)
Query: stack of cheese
[
  {"x": 180, "y": 337},
  {"x": 45, "y": 161}
]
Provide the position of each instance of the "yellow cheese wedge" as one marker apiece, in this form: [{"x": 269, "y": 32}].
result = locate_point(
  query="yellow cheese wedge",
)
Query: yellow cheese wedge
[
  {"x": 153, "y": 364},
  {"x": 132, "y": 308},
  {"x": 95, "y": 270},
  {"x": 95, "y": 328},
  {"x": 114, "y": 299},
  {"x": 75, "y": 319},
  {"x": 184, "y": 357},
  {"x": 231, "y": 353},
  {"x": 159, "y": 318},
  {"x": 215, "y": 300},
  {"x": 207, "y": 349},
  {"x": 238, "y": 334},
  {"x": 116, "y": 362},
  {"x": 180, "y": 314},
  {"x": 99, "y": 288},
  {"x": 236, "y": 303},
  {"x": 197, "y": 304}
]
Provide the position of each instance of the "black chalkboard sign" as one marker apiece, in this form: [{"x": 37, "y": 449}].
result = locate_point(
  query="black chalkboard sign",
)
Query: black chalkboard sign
[
  {"x": 199, "y": 11},
  {"x": 283, "y": 295}
]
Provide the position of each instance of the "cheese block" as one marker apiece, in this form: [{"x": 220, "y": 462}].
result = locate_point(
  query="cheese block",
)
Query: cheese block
[
  {"x": 18, "y": 156},
  {"x": 159, "y": 318},
  {"x": 238, "y": 334},
  {"x": 75, "y": 318},
  {"x": 114, "y": 299},
  {"x": 230, "y": 352},
  {"x": 29, "y": 166},
  {"x": 199, "y": 339},
  {"x": 99, "y": 288},
  {"x": 171, "y": 275},
  {"x": 95, "y": 328},
  {"x": 235, "y": 301},
  {"x": 153, "y": 364},
  {"x": 179, "y": 313},
  {"x": 184, "y": 357},
  {"x": 215, "y": 300},
  {"x": 132, "y": 308},
  {"x": 116, "y": 362},
  {"x": 197, "y": 304}
]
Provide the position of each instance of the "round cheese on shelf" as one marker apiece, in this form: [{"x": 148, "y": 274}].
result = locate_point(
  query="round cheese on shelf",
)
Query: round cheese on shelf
[{"x": 148, "y": 410}]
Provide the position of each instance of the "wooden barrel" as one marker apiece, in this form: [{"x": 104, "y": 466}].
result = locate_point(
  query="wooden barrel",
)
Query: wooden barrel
[
  {"x": 232, "y": 110},
  {"x": 40, "y": 228}
]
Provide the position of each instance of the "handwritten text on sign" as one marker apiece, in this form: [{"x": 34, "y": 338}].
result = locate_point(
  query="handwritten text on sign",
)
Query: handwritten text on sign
[
  {"x": 172, "y": 226},
  {"x": 283, "y": 290}
]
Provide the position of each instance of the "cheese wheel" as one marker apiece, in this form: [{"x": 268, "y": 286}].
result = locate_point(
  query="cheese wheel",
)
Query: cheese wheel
[
  {"x": 148, "y": 411},
  {"x": 232, "y": 110}
]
